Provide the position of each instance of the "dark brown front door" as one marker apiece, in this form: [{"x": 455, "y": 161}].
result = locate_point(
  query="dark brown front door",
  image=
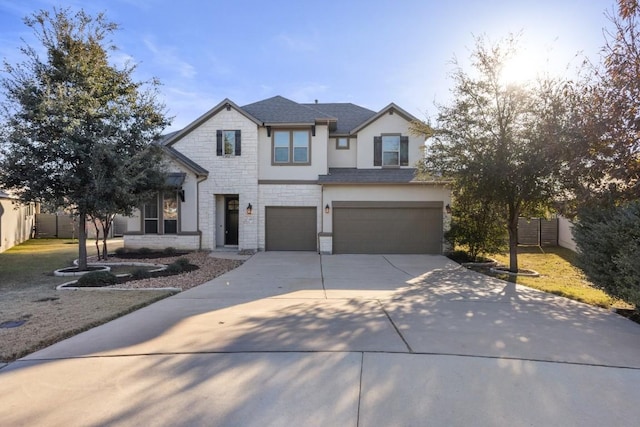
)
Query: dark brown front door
[{"x": 231, "y": 205}]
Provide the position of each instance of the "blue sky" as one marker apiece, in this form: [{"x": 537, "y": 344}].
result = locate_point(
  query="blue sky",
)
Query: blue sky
[{"x": 369, "y": 52}]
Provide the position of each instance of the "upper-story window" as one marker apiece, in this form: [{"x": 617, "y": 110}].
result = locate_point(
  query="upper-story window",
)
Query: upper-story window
[
  {"x": 291, "y": 147},
  {"x": 391, "y": 150},
  {"x": 342, "y": 143},
  {"x": 228, "y": 143}
]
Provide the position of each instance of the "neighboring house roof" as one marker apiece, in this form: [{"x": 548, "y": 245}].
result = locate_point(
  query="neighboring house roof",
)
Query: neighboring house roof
[
  {"x": 5, "y": 195},
  {"x": 349, "y": 115},
  {"x": 185, "y": 161},
  {"x": 391, "y": 108},
  {"x": 280, "y": 110},
  {"x": 369, "y": 176}
]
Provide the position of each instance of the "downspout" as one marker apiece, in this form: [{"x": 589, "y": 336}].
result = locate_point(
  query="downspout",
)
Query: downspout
[{"x": 198, "y": 212}]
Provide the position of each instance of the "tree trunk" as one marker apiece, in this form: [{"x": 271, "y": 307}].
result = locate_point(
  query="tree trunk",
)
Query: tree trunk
[
  {"x": 82, "y": 242},
  {"x": 513, "y": 239},
  {"x": 93, "y": 220},
  {"x": 106, "y": 226}
]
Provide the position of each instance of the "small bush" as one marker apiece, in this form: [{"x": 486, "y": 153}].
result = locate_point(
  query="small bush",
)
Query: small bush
[
  {"x": 169, "y": 250},
  {"x": 182, "y": 262},
  {"x": 121, "y": 251},
  {"x": 174, "y": 268},
  {"x": 140, "y": 273},
  {"x": 144, "y": 251},
  {"x": 97, "y": 279}
]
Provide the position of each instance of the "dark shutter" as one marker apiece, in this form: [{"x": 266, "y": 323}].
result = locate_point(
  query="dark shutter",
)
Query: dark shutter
[
  {"x": 237, "y": 143},
  {"x": 377, "y": 151},
  {"x": 219, "y": 142},
  {"x": 404, "y": 151}
]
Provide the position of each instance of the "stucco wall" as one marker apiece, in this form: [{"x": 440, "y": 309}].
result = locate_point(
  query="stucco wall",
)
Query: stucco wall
[
  {"x": 310, "y": 172},
  {"x": 565, "y": 234},
  {"x": 342, "y": 158},
  {"x": 388, "y": 123},
  {"x": 16, "y": 223}
]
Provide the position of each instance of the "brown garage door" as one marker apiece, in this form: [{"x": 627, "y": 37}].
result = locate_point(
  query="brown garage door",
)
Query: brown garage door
[
  {"x": 290, "y": 228},
  {"x": 387, "y": 227}
]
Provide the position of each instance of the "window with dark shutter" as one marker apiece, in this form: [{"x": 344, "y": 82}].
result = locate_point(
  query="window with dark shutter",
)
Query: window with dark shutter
[
  {"x": 228, "y": 143},
  {"x": 377, "y": 151},
  {"x": 404, "y": 151},
  {"x": 238, "y": 143},
  {"x": 218, "y": 143}
]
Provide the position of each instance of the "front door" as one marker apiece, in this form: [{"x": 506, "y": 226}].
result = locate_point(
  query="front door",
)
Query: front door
[{"x": 231, "y": 205}]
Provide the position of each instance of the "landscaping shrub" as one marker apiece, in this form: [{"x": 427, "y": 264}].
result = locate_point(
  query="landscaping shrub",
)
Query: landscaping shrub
[
  {"x": 121, "y": 251},
  {"x": 97, "y": 279},
  {"x": 144, "y": 251},
  {"x": 182, "y": 262},
  {"x": 476, "y": 225},
  {"x": 169, "y": 250},
  {"x": 174, "y": 268},
  {"x": 608, "y": 241},
  {"x": 140, "y": 273}
]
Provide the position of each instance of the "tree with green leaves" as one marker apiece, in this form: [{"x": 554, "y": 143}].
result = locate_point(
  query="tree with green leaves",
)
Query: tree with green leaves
[
  {"x": 78, "y": 130},
  {"x": 501, "y": 143},
  {"x": 605, "y": 166}
]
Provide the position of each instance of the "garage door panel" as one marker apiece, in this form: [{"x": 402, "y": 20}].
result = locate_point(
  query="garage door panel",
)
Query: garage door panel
[
  {"x": 376, "y": 230},
  {"x": 290, "y": 228}
]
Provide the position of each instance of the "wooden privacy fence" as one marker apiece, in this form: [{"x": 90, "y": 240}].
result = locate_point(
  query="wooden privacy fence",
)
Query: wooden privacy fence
[
  {"x": 538, "y": 231},
  {"x": 56, "y": 226},
  {"x": 65, "y": 226}
]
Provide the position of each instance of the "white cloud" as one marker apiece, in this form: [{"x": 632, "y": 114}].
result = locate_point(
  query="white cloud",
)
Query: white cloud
[
  {"x": 167, "y": 57},
  {"x": 295, "y": 43}
]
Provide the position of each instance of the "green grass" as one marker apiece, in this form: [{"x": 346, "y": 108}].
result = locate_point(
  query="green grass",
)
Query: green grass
[
  {"x": 32, "y": 263},
  {"x": 558, "y": 275}
]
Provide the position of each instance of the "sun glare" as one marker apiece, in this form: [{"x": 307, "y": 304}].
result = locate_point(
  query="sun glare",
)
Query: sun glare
[{"x": 525, "y": 66}]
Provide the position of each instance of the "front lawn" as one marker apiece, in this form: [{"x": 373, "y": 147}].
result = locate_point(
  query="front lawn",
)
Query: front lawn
[{"x": 558, "y": 275}]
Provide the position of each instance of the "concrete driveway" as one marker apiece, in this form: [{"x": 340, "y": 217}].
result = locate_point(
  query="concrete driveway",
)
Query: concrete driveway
[{"x": 299, "y": 339}]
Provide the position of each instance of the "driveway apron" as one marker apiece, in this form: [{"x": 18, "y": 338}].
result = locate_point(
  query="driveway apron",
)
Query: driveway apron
[{"x": 363, "y": 340}]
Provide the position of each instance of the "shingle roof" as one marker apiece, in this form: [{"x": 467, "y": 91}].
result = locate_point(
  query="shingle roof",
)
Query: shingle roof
[
  {"x": 349, "y": 115},
  {"x": 187, "y": 162},
  {"x": 282, "y": 110},
  {"x": 369, "y": 176}
]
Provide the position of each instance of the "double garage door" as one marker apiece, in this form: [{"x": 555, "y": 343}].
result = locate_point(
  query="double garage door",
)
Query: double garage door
[
  {"x": 387, "y": 227},
  {"x": 360, "y": 228}
]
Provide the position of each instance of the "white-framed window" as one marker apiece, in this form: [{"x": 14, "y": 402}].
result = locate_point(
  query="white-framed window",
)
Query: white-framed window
[
  {"x": 391, "y": 150},
  {"x": 291, "y": 147},
  {"x": 342, "y": 143}
]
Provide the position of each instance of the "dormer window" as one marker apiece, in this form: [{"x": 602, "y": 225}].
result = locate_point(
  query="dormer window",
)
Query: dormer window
[{"x": 391, "y": 150}]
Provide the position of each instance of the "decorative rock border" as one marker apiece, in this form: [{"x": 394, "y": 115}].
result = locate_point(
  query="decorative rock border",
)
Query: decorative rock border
[
  {"x": 522, "y": 273},
  {"x": 156, "y": 267},
  {"x": 96, "y": 267}
]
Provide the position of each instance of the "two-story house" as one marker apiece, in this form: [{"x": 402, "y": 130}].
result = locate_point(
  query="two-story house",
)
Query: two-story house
[{"x": 278, "y": 175}]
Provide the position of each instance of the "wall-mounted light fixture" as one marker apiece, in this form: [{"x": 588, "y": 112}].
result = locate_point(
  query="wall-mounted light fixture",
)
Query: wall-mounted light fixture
[
  {"x": 448, "y": 209},
  {"x": 249, "y": 209},
  {"x": 327, "y": 209}
]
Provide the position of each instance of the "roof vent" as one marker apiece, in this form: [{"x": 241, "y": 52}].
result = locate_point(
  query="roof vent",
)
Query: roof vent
[{"x": 316, "y": 101}]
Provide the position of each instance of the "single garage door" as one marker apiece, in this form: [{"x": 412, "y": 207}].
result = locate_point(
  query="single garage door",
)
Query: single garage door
[
  {"x": 290, "y": 228},
  {"x": 387, "y": 227}
]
